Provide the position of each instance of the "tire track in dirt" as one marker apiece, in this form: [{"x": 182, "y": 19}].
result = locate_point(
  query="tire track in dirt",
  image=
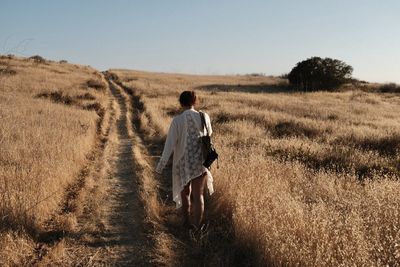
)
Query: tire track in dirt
[
  {"x": 110, "y": 228},
  {"x": 124, "y": 237}
]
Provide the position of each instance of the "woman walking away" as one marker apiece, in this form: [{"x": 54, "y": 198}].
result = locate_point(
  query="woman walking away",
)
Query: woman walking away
[{"x": 189, "y": 176}]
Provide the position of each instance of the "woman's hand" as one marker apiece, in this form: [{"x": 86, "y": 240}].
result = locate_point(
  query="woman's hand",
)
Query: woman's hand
[{"x": 158, "y": 169}]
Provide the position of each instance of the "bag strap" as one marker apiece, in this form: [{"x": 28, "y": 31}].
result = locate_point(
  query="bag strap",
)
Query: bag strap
[{"x": 203, "y": 121}]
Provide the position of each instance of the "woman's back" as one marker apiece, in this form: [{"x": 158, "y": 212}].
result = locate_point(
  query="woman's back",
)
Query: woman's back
[
  {"x": 184, "y": 141},
  {"x": 190, "y": 165}
]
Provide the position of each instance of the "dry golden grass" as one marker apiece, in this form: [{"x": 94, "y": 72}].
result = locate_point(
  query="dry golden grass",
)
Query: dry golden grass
[
  {"x": 48, "y": 126},
  {"x": 311, "y": 179}
]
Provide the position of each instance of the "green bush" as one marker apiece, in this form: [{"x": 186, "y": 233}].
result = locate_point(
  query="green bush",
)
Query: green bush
[
  {"x": 38, "y": 59},
  {"x": 319, "y": 74},
  {"x": 389, "y": 88}
]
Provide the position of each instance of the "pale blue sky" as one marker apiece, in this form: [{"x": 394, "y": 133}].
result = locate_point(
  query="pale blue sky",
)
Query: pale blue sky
[{"x": 212, "y": 37}]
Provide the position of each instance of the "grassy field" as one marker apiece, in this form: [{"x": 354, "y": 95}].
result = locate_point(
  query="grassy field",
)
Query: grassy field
[
  {"x": 311, "y": 179},
  {"x": 305, "y": 179},
  {"x": 49, "y": 115}
]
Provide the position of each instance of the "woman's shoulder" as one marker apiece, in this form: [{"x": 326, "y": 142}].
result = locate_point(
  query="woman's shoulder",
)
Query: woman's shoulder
[
  {"x": 178, "y": 119},
  {"x": 206, "y": 116}
]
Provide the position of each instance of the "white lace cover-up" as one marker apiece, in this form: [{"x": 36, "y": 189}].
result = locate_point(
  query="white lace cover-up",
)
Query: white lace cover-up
[{"x": 184, "y": 142}]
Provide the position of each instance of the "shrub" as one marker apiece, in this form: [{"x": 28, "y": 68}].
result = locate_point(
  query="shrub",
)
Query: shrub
[
  {"x": 86, "y": 96},
  {"x": 7, "y": 71},
  {"x": 63, "y": 61},
  {"x": 57, "y": 97},
  {"x": 255, "y": 74},
  {"x": 38, "y": 59},
  {"x": 96, "y": 84},
  {"x": 389, "y": 88},
  {"x": 111, "y": 76},
  {"x": 130, "y": 79},
  {"x": 385, "y": 145},
  {"x": 284, "y": 76},
  {"x": 93, "y": 106},
  {"x": 320, "y": 74},
  {"x": 288, "y": 128},
  {"x": 9, "y": 56}
]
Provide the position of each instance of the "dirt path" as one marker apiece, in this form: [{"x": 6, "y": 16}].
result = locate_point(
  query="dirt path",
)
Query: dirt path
[
  {"x": 110, "y": 229},
  {"x": 123, "y": 237}
]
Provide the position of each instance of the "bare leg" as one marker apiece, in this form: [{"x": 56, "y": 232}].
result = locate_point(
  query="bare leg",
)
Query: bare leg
[
  {"x": 185, "y": 195},
  {"x": 198, "y": 198}
]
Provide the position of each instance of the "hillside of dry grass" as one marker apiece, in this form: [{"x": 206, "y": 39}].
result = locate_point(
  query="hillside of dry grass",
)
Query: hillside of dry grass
[
  {"x": 50, "y": 116},
  {"x": 305, "y": 179}
]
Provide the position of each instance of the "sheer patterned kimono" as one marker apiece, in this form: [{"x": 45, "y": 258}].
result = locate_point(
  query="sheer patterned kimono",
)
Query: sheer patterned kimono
[{"x": 184, "y": 141}]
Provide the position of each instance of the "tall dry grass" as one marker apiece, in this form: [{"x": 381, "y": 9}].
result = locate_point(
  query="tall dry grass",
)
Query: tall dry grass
[
  {"x": 44, "y": 141},
  {"x": 311, "y": 179}
]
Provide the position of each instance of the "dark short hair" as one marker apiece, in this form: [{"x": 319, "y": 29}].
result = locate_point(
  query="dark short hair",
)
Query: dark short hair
[{"x": 187, "y": 98}]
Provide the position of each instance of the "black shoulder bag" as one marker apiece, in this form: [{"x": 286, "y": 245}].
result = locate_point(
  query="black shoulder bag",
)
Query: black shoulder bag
[{"x": 209, "y": 152}]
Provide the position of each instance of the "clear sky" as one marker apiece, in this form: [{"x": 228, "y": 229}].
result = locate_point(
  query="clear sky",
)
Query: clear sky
[{"x": 207, "y": 36}]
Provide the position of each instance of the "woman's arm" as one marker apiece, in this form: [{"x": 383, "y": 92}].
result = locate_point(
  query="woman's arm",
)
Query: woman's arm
[{"x": 169, "y": 146}]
